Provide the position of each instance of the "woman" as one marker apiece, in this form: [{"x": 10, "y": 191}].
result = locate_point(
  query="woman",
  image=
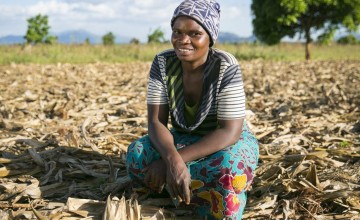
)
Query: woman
[{"x": 209, "y": 156}]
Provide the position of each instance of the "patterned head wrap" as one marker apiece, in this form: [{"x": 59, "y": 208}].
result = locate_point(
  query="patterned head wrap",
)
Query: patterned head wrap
[{"x": 205, "y": 12}]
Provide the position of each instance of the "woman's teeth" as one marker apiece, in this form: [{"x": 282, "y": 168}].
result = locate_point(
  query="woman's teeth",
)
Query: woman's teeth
[{"x": 184, "y": 50}]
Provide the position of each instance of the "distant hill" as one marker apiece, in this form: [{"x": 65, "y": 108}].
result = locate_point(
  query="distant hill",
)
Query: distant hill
[
  {"x": 68, "y": 37},
  {"x": 79, "y": 36},
  {"x": 12, "y": 39},
  {"x": 227, "y": 37}
]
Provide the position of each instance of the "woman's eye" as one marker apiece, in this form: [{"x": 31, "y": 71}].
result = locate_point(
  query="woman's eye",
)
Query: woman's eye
[{"x": 195, "y": 34}]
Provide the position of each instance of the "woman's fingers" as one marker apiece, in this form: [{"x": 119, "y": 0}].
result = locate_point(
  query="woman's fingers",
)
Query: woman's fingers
[
  {"x": 160, "y": 184},
  {"x": 175, "y": 191},
  {"x": 157, "y": 184},
  {"x": 155, "y": 175},
  {"x": 186, "y": 193},
  {"x": 161, "y": 188},
  {"x": 150, "y": 180},
  {"x": 170, "y": 191},
  {"x": 178, "y": 181},
  {"x": 147, "y": 179},
  {"x": 180, "y": 192}
]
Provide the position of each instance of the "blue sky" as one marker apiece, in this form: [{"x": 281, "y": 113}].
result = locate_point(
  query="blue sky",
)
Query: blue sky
[{"x": 132, "y": 18}]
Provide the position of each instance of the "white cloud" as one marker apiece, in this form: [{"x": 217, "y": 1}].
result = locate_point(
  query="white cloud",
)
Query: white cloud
[
  {"x": 126, "y": 17},
  {"x": 153, "y": 4},
  {"x": 50, "y": 7},
  {"x": 232, "y": 12},
  {"x": 236, "y": 18},
  {"x": 73, "y": 10},
  {"x": 11, "y": 12}
]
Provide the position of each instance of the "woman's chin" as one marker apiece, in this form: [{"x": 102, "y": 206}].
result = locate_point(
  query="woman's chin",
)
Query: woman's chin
[{"x": 184, "y": 57}]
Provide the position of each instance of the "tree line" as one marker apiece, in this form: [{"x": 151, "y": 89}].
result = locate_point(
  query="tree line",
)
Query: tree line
[
  {"x": 38, "y": 33},
  {"x": 272, "y": 21}
]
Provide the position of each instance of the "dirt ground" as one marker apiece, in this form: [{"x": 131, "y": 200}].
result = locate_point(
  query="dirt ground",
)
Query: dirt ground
[{"x": 64, "y": 131}]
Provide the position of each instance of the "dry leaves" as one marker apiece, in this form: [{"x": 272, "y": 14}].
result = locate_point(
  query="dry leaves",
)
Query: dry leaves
[
  {"x": 307, "y": 119},
  {"x": 64, "y": 131}
]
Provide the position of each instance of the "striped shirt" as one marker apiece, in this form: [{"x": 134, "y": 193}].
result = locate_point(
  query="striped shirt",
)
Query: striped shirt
[{"x": 223, "y": 96}]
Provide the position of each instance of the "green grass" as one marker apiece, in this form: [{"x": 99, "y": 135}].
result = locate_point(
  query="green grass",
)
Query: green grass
[
  {"x": 45, "y": 54},
  {"x": 293, "y": 52}
]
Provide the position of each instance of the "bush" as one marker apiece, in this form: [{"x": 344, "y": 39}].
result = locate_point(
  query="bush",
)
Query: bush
[
  {"x": 134, "y": 41},
  {"x": 108, "y": 39},
  {"x": 349, "y": 39},
  {"x": 157, "y": 36}
]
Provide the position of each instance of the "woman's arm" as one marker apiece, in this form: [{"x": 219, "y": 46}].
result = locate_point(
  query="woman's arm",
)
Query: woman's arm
[
  {"x": 177, "y": 176},
  {"x": 159, "y": 134},
  {"x": 227, "y": 134}
]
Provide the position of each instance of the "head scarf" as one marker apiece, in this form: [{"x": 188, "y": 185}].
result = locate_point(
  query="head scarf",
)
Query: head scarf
[{"x": 205, "y": 12}]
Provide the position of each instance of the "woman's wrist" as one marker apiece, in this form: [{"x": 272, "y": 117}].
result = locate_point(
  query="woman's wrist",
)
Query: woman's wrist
[{"x": 172, "y": 157}]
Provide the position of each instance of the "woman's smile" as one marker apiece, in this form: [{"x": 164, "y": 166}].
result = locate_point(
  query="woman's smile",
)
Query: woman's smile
[{"x": 184, "y": 51}]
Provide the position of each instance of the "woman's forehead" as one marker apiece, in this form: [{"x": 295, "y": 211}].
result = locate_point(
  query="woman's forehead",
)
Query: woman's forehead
[{"x": 186, "y": 22}]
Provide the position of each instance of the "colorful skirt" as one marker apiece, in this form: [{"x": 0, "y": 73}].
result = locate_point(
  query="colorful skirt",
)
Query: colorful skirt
[{"x": 219, "y": 181}]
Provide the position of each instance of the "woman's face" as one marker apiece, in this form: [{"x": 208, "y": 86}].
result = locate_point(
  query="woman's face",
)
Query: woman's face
[{"x": 190, "y": 40}]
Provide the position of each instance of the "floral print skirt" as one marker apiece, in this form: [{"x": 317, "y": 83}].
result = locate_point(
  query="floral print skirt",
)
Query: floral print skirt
[{"x": 219, "y": 181}]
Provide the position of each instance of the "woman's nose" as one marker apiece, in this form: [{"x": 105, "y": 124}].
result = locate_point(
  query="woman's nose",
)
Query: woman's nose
[{"x": 184, "y": 38}]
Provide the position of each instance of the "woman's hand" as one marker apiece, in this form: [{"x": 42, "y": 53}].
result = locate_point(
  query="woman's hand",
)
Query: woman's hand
[
  {"x": 155, "y": 175},
  {"x": 178, "y": 180}
]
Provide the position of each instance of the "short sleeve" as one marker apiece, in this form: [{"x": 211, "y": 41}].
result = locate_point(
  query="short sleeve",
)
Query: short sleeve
[
  {"x": 231, "y": 97},
  {"x": 157, "y": 92}
]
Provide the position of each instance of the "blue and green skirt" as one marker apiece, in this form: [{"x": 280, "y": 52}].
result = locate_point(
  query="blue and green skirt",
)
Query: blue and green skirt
[{"x": 219, "y": 181}]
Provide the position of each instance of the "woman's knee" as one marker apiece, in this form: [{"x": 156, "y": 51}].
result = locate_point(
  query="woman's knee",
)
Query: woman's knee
[
  {"x": 139, "y": 155},
  {"x": 136, "y": 148},
  {"x": 136, "y": 154}
]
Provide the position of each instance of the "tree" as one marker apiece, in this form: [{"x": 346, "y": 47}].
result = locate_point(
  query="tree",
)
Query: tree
[
  {"x": 38, "y": 30},
  {"x": 87, "y": 41},
  {"x": 108, "y": 39},
  {"x": 134, "y": 41},
  {"x": 157, "y": 36},
  {"x": 275, "y": 19}
]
